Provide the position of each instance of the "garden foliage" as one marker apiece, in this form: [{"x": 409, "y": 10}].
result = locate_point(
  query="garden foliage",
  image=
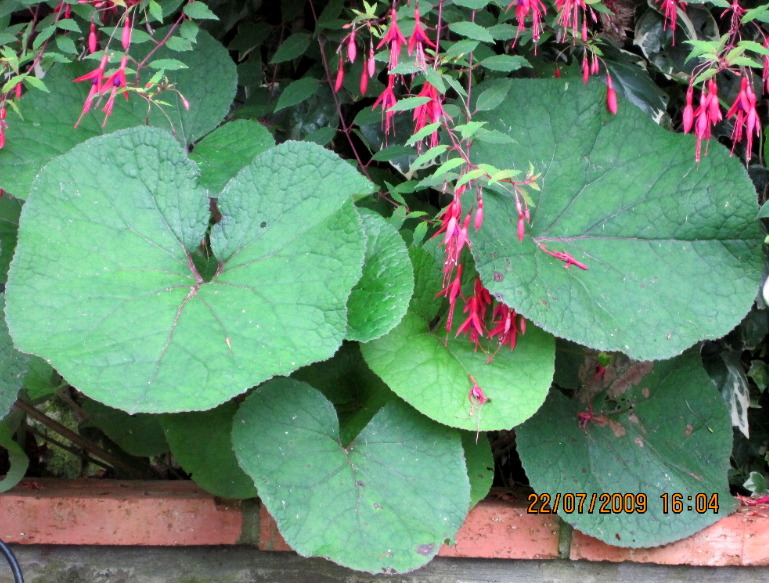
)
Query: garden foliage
[{"x": 316, "y": 250}]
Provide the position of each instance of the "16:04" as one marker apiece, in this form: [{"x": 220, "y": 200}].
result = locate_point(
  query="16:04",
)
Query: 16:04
[{"x": 700, "y": 503}]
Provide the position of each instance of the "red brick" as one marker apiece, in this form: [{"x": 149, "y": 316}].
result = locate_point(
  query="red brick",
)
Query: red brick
[
  {"x": 270, "y": 538},
  {"x": 503, "y": 530},
  {"x": 111, "y": 512},
  {"x": 739, "y": 539}
]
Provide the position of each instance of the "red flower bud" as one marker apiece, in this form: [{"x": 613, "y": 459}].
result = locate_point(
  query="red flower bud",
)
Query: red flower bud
[
  {"x": 611, "y": 96},
  {"x": 127, "y": 30},
  {"x": 339, "y": 75},
  {"x": 92, "y": 39}
]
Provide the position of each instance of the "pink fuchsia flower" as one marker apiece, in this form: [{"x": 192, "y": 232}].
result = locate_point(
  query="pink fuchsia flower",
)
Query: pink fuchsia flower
[
  {"x": 339, "y": 75},
  {"x": 393, "y": 39},
  {"x": 524, "y": 8},
  {"x": 670, "y": 9},
  {"x": 418, "y": 40},
  {"x": 746, "y": 123},
  {"x": 475, "y": 308},
  {"x": 430, "y": 112},
  {"x": 387, "y": 99},
  {"x": 706, "y": 115},
  {"x": 96, "y": 77},
  {"x": 504, "y": 320},
  {"x": 476, "y": 394},
  {"x": 116, "y": 81}
]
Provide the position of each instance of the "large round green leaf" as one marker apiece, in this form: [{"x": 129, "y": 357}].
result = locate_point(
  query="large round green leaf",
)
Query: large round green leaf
[
  {"x": 380, "y": 299},
  {"x": 47, "y": 127},
  {"x": 105, "y": 286},
  {"x": 667, "y": 432},
  {"x": 384, "y": 503},
  {"x": 431, "y": 371},
  {"x": 672, "y": 247}
]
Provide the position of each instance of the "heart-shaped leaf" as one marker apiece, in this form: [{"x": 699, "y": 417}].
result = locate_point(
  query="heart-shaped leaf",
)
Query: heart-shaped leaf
[
  {"x": 380, "y": 299},
  {"x": 47, "y": 131},
  {"x": 431, "y": 371},
  {"x": 373, "y": 505},
  {"x": 672, "y": 248},
  {"x": 107, "y": 286},
  {"x": 667, "y": 433}
]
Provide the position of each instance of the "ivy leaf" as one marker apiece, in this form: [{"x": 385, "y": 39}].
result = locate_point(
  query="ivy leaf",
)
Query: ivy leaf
[
  {"x": 667, "y": 432},
  {"x": 47, "y": 131},
  {"x": 380, "y": 299},
  {"x": 432, "y": 372},
  {"x": 131, "y": 321},
  {"x": 672, "y": 248},
  {"x": 363, "y": 505},
  {"x": 202, "y": 444}
]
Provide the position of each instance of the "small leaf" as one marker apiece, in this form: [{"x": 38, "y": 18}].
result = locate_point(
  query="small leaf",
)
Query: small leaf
[
  {"x": 297, "y": 92},
  {"x": 505, "y": 63},
  {"x": 409, "y": 103},
  {"x": 292, "y": 48},
  {"x": 471, "y": 30},
  {"x": 167, "y": 64},
  {"x": 198, "y": 10}
]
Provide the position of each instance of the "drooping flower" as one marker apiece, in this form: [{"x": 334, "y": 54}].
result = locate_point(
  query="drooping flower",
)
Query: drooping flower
[
  {"x": 418, "y": 40},
  {"x": 393, "y": 39},
  {"x": 746, "y": 123},
  {"x": 387, "y": 99},
  {"x": 475, "y": 308},
  {"x": 524, "y": 8},
  {"x": 707, "y": 114},
  {"x": 430, "y": 112}
]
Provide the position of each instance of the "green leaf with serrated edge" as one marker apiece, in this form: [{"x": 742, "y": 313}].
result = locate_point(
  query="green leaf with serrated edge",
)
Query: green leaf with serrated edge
[
  {"x": 346, "y": 380},
  {"x": 131, "y": 322},
  {"x": 297, "y": 92},
  {"x": 672, "y": 247},
  {"x": 201, "y": 443},
  {"x": 372, "y": 505},
  {"x": 491, "y": 94},
  {"x": 242, "y": 140},
  {"x": 291, "y": 48},
  {"x": 392, "y": 152},
  {"x": 41, "y": 381},
  {"x": 47, "y": 128},
  {"x": 139, "y": 435},
  {"x": 409, "y": 103},
  {"x": 10, "y": 209},
  {"x": 167, "y": 64},
  {"x": 380, "y": 299},
  {"x": 13, "y": 365},
  {"x": 471, "y": 30},
  {"x": 428, "y": 277},
  {"x": 19, "y": 462},
  {"x": 668, "y": 432},
  {"x": 505, "y": 63},
  {"x": 431, "y": 371},
  {"x": 199, "y": 10},
  {"x": 480, "y": 465}
]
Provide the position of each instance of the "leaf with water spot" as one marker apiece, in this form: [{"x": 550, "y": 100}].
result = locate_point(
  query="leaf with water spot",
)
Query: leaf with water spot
[
  {"x": 105, "y": 284},
  {"x": 374, "y": 504}
]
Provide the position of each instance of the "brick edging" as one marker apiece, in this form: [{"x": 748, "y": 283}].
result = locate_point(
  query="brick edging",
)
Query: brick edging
[{"x": 157, "y": 513}]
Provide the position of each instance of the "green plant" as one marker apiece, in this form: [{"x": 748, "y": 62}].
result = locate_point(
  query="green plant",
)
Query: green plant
[{"x": 489, "y": 251}]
